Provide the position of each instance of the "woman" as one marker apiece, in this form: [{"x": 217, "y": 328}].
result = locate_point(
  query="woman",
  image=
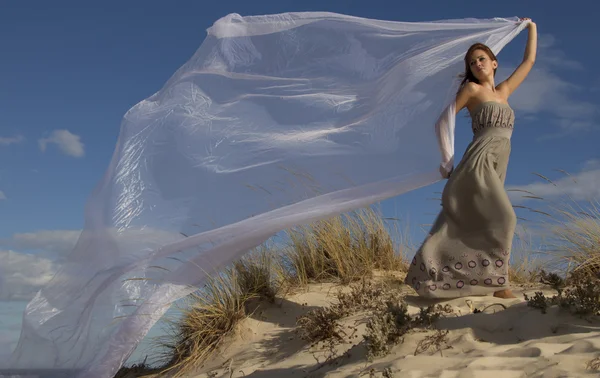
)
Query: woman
[{"x": 468, "y": 248}]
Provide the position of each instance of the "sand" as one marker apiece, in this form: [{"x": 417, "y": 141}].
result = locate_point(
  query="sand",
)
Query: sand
[{"x": 518, "y": 341}]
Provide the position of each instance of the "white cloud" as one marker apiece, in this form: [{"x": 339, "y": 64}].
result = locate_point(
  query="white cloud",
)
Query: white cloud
[
  {"x": 591, "y": 164},
  {"x": 22, "y": 275},
  {"x": 582, "y": 186},
  {"x": 69, "y": 143},
  {"x": 553, "y": 56},
  {"x": 7, "y": 141},
  {"x": 57, "y": 242},
  {"x": 544, "y": 91},
  {"x": 2, "y": 195}
]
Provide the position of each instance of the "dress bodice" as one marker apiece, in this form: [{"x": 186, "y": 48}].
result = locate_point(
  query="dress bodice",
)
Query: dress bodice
[{"x": 492, "y": 114}]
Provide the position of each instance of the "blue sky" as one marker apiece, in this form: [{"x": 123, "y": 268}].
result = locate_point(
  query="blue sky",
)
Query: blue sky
[{"x": 71, "y": 69}]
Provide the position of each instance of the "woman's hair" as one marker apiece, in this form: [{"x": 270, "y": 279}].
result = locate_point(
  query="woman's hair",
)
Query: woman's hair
[{"x": 468, "y": 74}]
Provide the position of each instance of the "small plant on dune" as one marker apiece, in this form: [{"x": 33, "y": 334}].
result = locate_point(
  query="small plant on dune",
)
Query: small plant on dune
[
  {"x": 427, "y": 316},
  {"x": 583, "y": 298},
  {"x": 553, "y": 280},
  {"x": 538, "y": 301},
  {"x": 594, "y": 364},
  {"x": 438, "y": 342},
  {"x": 387, "y": 327},
  {"x": 580, "y": 294},
  {"x": 365, "y": 295},
  {"x": 321, "y": 324}
]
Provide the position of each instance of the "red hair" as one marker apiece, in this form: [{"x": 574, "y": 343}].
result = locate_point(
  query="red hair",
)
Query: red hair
[{"x": 468, "y": 76}]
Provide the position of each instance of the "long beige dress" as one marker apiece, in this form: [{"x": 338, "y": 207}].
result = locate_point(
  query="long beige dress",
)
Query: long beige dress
[{"x": 468, "y": 248}]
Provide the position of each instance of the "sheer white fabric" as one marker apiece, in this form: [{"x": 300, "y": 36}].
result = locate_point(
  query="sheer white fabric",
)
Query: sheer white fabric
[
  {"x": 444, "y": 130},
  {"x": 275, "y": 121}
]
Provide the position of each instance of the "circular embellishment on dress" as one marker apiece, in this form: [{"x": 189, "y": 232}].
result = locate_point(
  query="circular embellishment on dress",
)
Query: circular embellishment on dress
[
  {"x": 460, "y": 284},
  {"x": 446, "y": 286},
  {"x": 472, "y": 264},
  {"x": 501, "y": 281},
  {"x": 414, "y": 262},
  {"x": 423, "y": 267},
  {"x": 433, "y": 287},
  {"x": 474, "y": 282},
  {"x": 488, "y": 281},
  {"x": 499, "y": 263},
  {"x": 485, "y": 262},
  {"x": 458, "y": 266},
  {"x": 446, "y": 269},
  {"x": 432, "y": 272}
]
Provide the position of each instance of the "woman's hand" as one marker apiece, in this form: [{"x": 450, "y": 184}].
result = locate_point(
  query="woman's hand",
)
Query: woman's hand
[
  {"x": 522, "y": 19},
  {"x": 445, "y": 174}
]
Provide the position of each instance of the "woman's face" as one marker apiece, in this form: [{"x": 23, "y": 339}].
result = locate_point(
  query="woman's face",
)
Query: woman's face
[{"x": 481, "y": 65}]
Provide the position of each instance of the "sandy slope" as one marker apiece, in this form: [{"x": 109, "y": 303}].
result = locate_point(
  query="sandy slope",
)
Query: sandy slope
[{"x": 515, "y": 342}]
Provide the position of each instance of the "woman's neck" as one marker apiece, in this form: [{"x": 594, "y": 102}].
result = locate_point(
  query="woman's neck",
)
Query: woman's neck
[{"x": 489, "y": 84}]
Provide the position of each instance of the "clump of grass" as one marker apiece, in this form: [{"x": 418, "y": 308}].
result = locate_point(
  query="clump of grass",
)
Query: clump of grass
[
  {"x": 136, "y": 370},
  {"x": 341, "y": 249},
  {"x": 212, "y": 316},
  {"x": 259, "y": 274},
  {"x": 521, "y": 274},
  {"x": 578, "y": 239},
  {"x": 575, "y": 248},
  {"x": 574, "y": 225},
  {"x": 525, "y": 266}
]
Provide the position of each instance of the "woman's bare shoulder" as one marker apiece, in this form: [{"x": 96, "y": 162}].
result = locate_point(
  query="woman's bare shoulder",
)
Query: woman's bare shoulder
[{"x": 467, "y": 95}]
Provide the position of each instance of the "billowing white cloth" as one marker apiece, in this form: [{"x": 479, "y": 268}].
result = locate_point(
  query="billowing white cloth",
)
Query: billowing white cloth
[{"x": 275, "y": 121}]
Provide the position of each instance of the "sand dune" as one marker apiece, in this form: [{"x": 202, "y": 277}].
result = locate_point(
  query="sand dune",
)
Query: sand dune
[{"x": 516, "y": 341}]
